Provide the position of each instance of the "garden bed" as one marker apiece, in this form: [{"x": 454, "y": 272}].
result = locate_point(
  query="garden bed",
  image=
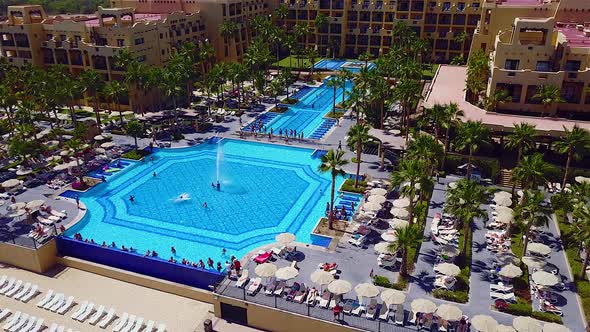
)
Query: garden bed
[
  {"x": 135, "y": 154},
  {"x": 348, "y": 186},
  {"x": 335, "y": 115},
  {"x": 321, "y": 228},
  {"x": 461, "y": 292}
]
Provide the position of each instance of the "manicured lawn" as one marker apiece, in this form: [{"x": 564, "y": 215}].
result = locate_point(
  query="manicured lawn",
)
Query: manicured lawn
[
  {"x": 428, "y": 71},
  {"x": 303, "y": 62}
]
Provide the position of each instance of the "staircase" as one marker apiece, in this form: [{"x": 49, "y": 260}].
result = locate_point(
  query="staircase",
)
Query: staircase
[
  {"x": 505, "y": 179},
  {"x": 324, "y": 127},
  {"x": 264, "y": 118}
]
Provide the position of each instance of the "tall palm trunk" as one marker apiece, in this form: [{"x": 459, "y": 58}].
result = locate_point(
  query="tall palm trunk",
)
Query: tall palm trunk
[
  {"x": 382, "y": 114},
  {"x": 411, "y": 211},
  {"x": 331, "y": 214},
  {"x": 466, "y": 230},
  {"x": 527, "y": 235},
  {"x": 446, "y": 147},
  {"x": 97, "y": 110},
  {"x": 333, "y": 101},
  {"x": 514, "y": 182},
  {"x": 570, "y": 155},
  {"x": 404, "y": 268},
  {"x": 585, "y": 265},
  {"x": 469, "y": 163},
  {"x": 358, "y": 163}
]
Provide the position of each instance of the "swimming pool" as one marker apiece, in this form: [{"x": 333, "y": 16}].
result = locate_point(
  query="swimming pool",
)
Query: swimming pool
[
  {"x": 265, "y": 190},
  {"x": 338, "y": 64}
]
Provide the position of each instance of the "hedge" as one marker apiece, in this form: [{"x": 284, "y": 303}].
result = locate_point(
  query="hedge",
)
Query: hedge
[
  {"x": 348, "y": 185},
  {"x": 135, "y": 154},
  {"x": 454, "y": 296},
  {"x": 490, "y": 168}
]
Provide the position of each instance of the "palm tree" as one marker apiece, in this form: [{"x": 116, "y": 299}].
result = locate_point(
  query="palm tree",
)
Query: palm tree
[
  {"x": 227, "y": 29},
  {"x": 427, "y": 148},
  {"x": 452, "y": 115},
  {"x": 206, "y": 54},
  {"x": 407, "y": 237},
  {"x": 281, "y": 13},
  {"x": 93, "y": 84},
  {"x": 344, "y": 76},
  {"x": 135, "y": 130},
  {"x": 478, "y": 70},
  {"x": 574, "y": 143},
  {"x": 366, "y": 57},
  {"x": 532, "y": 213},
  {"x": 332, "y": 162},
  {"x": 581, "y": 216},
  {"x": 498, "y": 97},
  {"x": 381, "y": 92},
  {"x": 72, "y": 91},
  {"x": 548, "y": 95},
  {"x": 312, "y": 55},
  {"x": 358, "y": 136},
  {"x": 320, "y": 22},
  {"x": 113, "y": 91},
  {"x": 436, "y": 116},
  {"x": 333, "y": 83},
  {"x": 521, "y": 139},
  {"x": 407, "y": 92},
  {"x": 409, "y": 173},
  {"x": 532, "y": 171},
  {"x": 471, "y": 136},
  {"x": 76, "y": 145}
]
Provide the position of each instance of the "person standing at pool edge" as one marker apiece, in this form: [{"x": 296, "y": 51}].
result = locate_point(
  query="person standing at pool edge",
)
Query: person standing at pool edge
[{"x": 218, "y": 186}]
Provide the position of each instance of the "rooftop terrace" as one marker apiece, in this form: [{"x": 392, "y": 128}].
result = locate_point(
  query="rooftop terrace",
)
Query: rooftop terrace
[{"x": 575, "y": 37}]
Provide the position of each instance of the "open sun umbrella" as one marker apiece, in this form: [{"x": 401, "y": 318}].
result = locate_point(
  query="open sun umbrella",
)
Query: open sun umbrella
[
  {"x": 17, "y": 213},
  {"x": 10, "y": 183},
  {"x": 505, "y": 214},
  {"x": 61, "y": 167},
  {"x": 65, "y": 153},
  {"x": 544, "y": 278},
  {"x": 25, "y": 171},
  {"x": 582, "y": 179},
  {"x": 286, "y": 273},
  {"x": 265, "y": 270},
  {"x": 16, "y": 206},
  {"x": 107, "y": 145},
  {"x": 400, "y": 213},
  {"x": 392, "y": 296},
  {"x": 505, "y": 328},
  {"x": 401, "y": 203},
  {"x": 452, "y": 185},
  {"x": 339, "y": 287},
  {"x": 366, "y": 290},
  {"x": 285, "y": 238},
  {"x": 484, "y": 323},
  {"x": 526, "y": 324},
  {"x": 35, "y": 204},
  {"x": 510, "y": 271},
  {"x": 508, "y": 258},
  {"x": 322, "y": 277},
  {"x": 449, "y": 251},
  {"x": 377, "y": 199},
  {"x": 424, "y": 306},
  {"x": 448, "y": 269},
  {"x": 397, "y": 223},
  {"x": 539, "y": 248},
  {"x": 378, "y": 191},
  {"x": 371, "y": 206},
  {"x": 389, "y": 236},
  {"x": 533, "y": 262},
  {"x": 100, "y": 150},
  {"x": 383, "y": 247},
  {"x": 99, "y": 138},
  {"x": 503, "y": 201},
  {"x": 449, "y": 312},
  {"x": 554, "y": 327}
]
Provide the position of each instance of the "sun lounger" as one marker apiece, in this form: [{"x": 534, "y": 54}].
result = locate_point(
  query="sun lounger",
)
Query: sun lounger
[
  {"x": 312, "y": 297},
  {"x": 348, "y": 305},
  {"x": 66, "y": 306},
  {"x": 8, "y": 286},
  {"x": 384, "y": 312},
  {"x": 161, "y": 328},
  {"x": 501, "y": 288},
  {"x": 299, "y": 297},
  {"x": 371, "y": 309},
  {"x": 358, "y": 310},
  {"x": 109, "y": 318},
  {"x": 22, "y": 291},
  {"x": 358, "y": 242},
  {"x": 58, "y": 304},
  {"x": 412, "y": 317},
  {"x": 280, "y": 288},
  {"x": 29, "y": 324},
  {"x": 54, "y": 300},
  {"x": 18, "y": 324},
  {"x": 509, "y": 297},
  {"x": 80, "y": 310},
  {"x": 3, "y": 280},
  {"x": 399, "y": 315},
  {"x": 12, "y": 321},
  {"x": 38, "y": 325},
  {"x": 86, "y": 313},
  {"x": 58, "y": 214},
  {"x": 14, "y": 289},
  {"x": 254, "y": 286},
  {"x": 121, "y": 323},
  {"x": 129, "y": 324},
  {"x": 150, "y": 326},
  {"x": 263, "y": 258},
  {"x": 242, "y": 280},
  {"x": 46, "y": 299},
  {"x": 138, "y": 325},
  {"x": 427, "y": 325},
  {"x": 270, "y": 286},
  {"x": 324, "y": 300},
  {"x": 53, "y": 327},
  {"x": 5, "y": 313},
  {"x": 334, "y": 301},
  {"x": 99, "y": 312}
]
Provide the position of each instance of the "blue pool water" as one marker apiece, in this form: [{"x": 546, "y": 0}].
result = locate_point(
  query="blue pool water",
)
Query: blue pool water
[
  {"x": 265, "y": 190},
  {"x": 337, "y": 64}
]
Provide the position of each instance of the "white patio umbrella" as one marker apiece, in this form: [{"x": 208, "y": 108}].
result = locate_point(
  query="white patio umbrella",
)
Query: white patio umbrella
[
  {"x": 52, "y": 158},
  {"x": 397, "y": 223},
  {"x": 539, "y": 248},
  {"x": 17, "y": 213},
  {"x": 449, "y": 312},
  {"x": 339, "y": 287},
  {"x": 505, "y": 214},
  {"x": 107, "y": 145},
  {"x": 526, "y": 324},
  {"x": 64, "y": 153},
  {"x": 448, "y": 269},
  {"x": 265, "y": 270},
  {"x": 508, "y": 258},
  {"x": 322, "y": 277},
  {"x": 371, "y": 206},
  {"x": 392, "y": 296},
  {"x": 10, "y": 183},
  {"x": 285, "y": 238},
  {"x": 61, "y": 167},
  {"x": 505, "y": 328},
  {"x": 533, "y": 262},
  {"x": 377, "y": 199},
  {"x": 100, "y": 150},
  {"x": 484, "y": 323},
  {"x": 389, "y": 236},
  {"x": 366, "y": 290},
  {"x": 99, "y": 138},
  {"x": 401, "y": 203},
  {"x": 452, "y": 185},
  {"x": 424, "y": 306},
  {"x": 383, "y": 247},
  {"x": 2, "y": 202},
  {"x": 75, "y": 163},
  {"x": 378, "y": 191},
  {"x": 582, "y": 179},
  {"x": 127, "y": 113},
  {"x": 17, "y": 206},
  {"x": 503, "y": 201},
  {"x": 510, "y": 271},
  {"x": 554, "y": 327},
  {"x": 400, "y": 213},
  {"x": 544, "y": 278},
  {"x": 450, "y": 251},
  {"x": 26, "y": 171},
  {"x": 505, "y": 194},
  {"x": 286, "y": 273},
  {"x": 35, "y": 204}
]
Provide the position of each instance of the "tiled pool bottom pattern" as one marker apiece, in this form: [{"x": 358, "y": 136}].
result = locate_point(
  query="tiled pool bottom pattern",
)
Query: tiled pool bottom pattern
[
  {"x": 265, "y": 190},
  {"x": 340, "y": 64}
]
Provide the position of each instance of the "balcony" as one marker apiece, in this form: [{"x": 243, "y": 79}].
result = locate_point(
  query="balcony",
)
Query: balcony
[{"x": 8, "y": 43}]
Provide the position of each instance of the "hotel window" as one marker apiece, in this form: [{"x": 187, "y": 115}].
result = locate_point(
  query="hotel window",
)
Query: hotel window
[
  {"x": 446, "y": 6},
  {"x": 120, "y": 42},
  {"x": 542, "y": 66},
  {"x": 461, "y": 6},
  {"x": 572, "y": 65},
  {"x": 475, "y": 5},
  {"x": 511, "y": 64},
  {"x": 141, "y": 58},
  {"x": 139, "y": 41}
]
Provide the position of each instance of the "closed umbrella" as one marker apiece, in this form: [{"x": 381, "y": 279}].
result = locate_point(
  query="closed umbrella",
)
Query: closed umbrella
[
  {"x": 285, "y": 238},
  {"x": 99, "y": 138},
  {"x": 484, "y": 323},
  {"x": 265, "y": 270},
  {"x": 539, "y": 248},
  {"x": 533, "y": 262},
  {"x": 366, "y": 290},
  {"x": 339, "y": 287},
  {"x": 554, "y": 327},
  {"x": 449, "y": 251},
  {"x": 10, "y": 183},
  {"x": 35, "y": 204},
  {"x": 383, "y": 247},
  {"x": 286, "y": 273},
  {"x": 424, "y": 306},
  {"x": 400, "y": 213},
  {"x": 61, "y": 167},
  {"x": 505, "y": 328},
  {"x": 377, "y": 199},
  {"x": 526, "y": 324},
  {"x": 371, "y": 206},
  {"x": 544, "y": 278},
  {"x": 448, "y": 269},
  {"x": 392, "y": 296},
  {"x": 510, "y": 271},
  {"x": 582, "y": 179},
  {"x": 25, "y": 171},
  {"x": 100, "y": 150},
  {"x": 397, "y": 223},
  {"x": 322, "y": 277},
  {"x": 378, "y": 191},
  {"x": 389, "y": 236},
  {"x": 449, "y": 312},
  {"x": 107, "y": 145},
  {"x": 401, "y": 203}
]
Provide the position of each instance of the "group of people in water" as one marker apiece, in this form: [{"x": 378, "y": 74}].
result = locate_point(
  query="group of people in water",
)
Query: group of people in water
[
  {"x": 259, "y": 127},
  {"x": 341, "y": 214}
]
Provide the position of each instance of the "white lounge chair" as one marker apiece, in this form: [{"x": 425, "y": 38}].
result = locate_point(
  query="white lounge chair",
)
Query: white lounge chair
[
  {"x": 14, "y": 289},
  {"x": 99, "y": 312},
  {"x": 12, "y": 321},
  {"x": 8, "y": 286},
  {"x": 38, "y": 326},
  {"x": 23, "y": 291},
  {"x": 384, "y": 312},
  {"x": 3, "y": 279},
  {"x": 80, "y": 310},
  {"x": 243, "y": 279},
  {"x": 107, "y": 319},
  {"x": 66, "y": 306},
  {"x": 508, "y": 297},
  {"x": 86, "y": 313},
  {"x": 138, "y": 325},
  {"x": 29, "y": 324},
  {"x": 254, "y": 286},
  {"x": 5, "y": 313},
  {"x": 358, "y": 310},
  {"x": 121, "y": 322},
  {"x": 161, "y": 328},
  {"x": 150, "y": 326},
  {"x": 58, "y": 214},
  {"x": 56, "y": 298},
  {"x": 129, "y": 324},
  {"x": 60, "y": 302},
  {"x": 53, "y": 327},
  {"x": 22, "y": 321},
  {"x": 61, "y": 328},
  {"x": 30, "y": 294}
]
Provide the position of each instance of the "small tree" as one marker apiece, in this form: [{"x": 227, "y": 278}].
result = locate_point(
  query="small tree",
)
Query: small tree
[
  {"x": 358, "y": 136},
  {"x": 582, "y": 222},
  {"x": 332, "y": 162},
  {"x": 407, "y": 237},
  {"x": 135, "y": 130}
]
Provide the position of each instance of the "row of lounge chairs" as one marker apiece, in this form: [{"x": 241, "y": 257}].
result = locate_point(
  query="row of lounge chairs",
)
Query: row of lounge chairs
[
  {"x": 11, "y": 287},
  {"x": 21, "y": 322}
]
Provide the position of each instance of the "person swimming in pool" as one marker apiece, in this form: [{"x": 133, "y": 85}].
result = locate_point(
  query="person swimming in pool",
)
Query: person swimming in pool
[
  {"x": 131, "y": 198},
  {"x": 155, "y": 174},
  {"x": 205, "y": 205}
]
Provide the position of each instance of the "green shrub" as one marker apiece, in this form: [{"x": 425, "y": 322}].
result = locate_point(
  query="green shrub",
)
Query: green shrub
[
  {"x": 118, "y": 132},
  {"x": 489, "y": 168},
  {"x": 335, "y": 115},
  {"x": 348, "y": 185},
  {"x": 520, "y": 308},
  {"x": 455, "y": 296},
  {"x": 135, "y": 154},
  {"x": 382, "y": 281},
  {"x": 290, "y": 101},
  {"x": 547, "y": 317}
]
